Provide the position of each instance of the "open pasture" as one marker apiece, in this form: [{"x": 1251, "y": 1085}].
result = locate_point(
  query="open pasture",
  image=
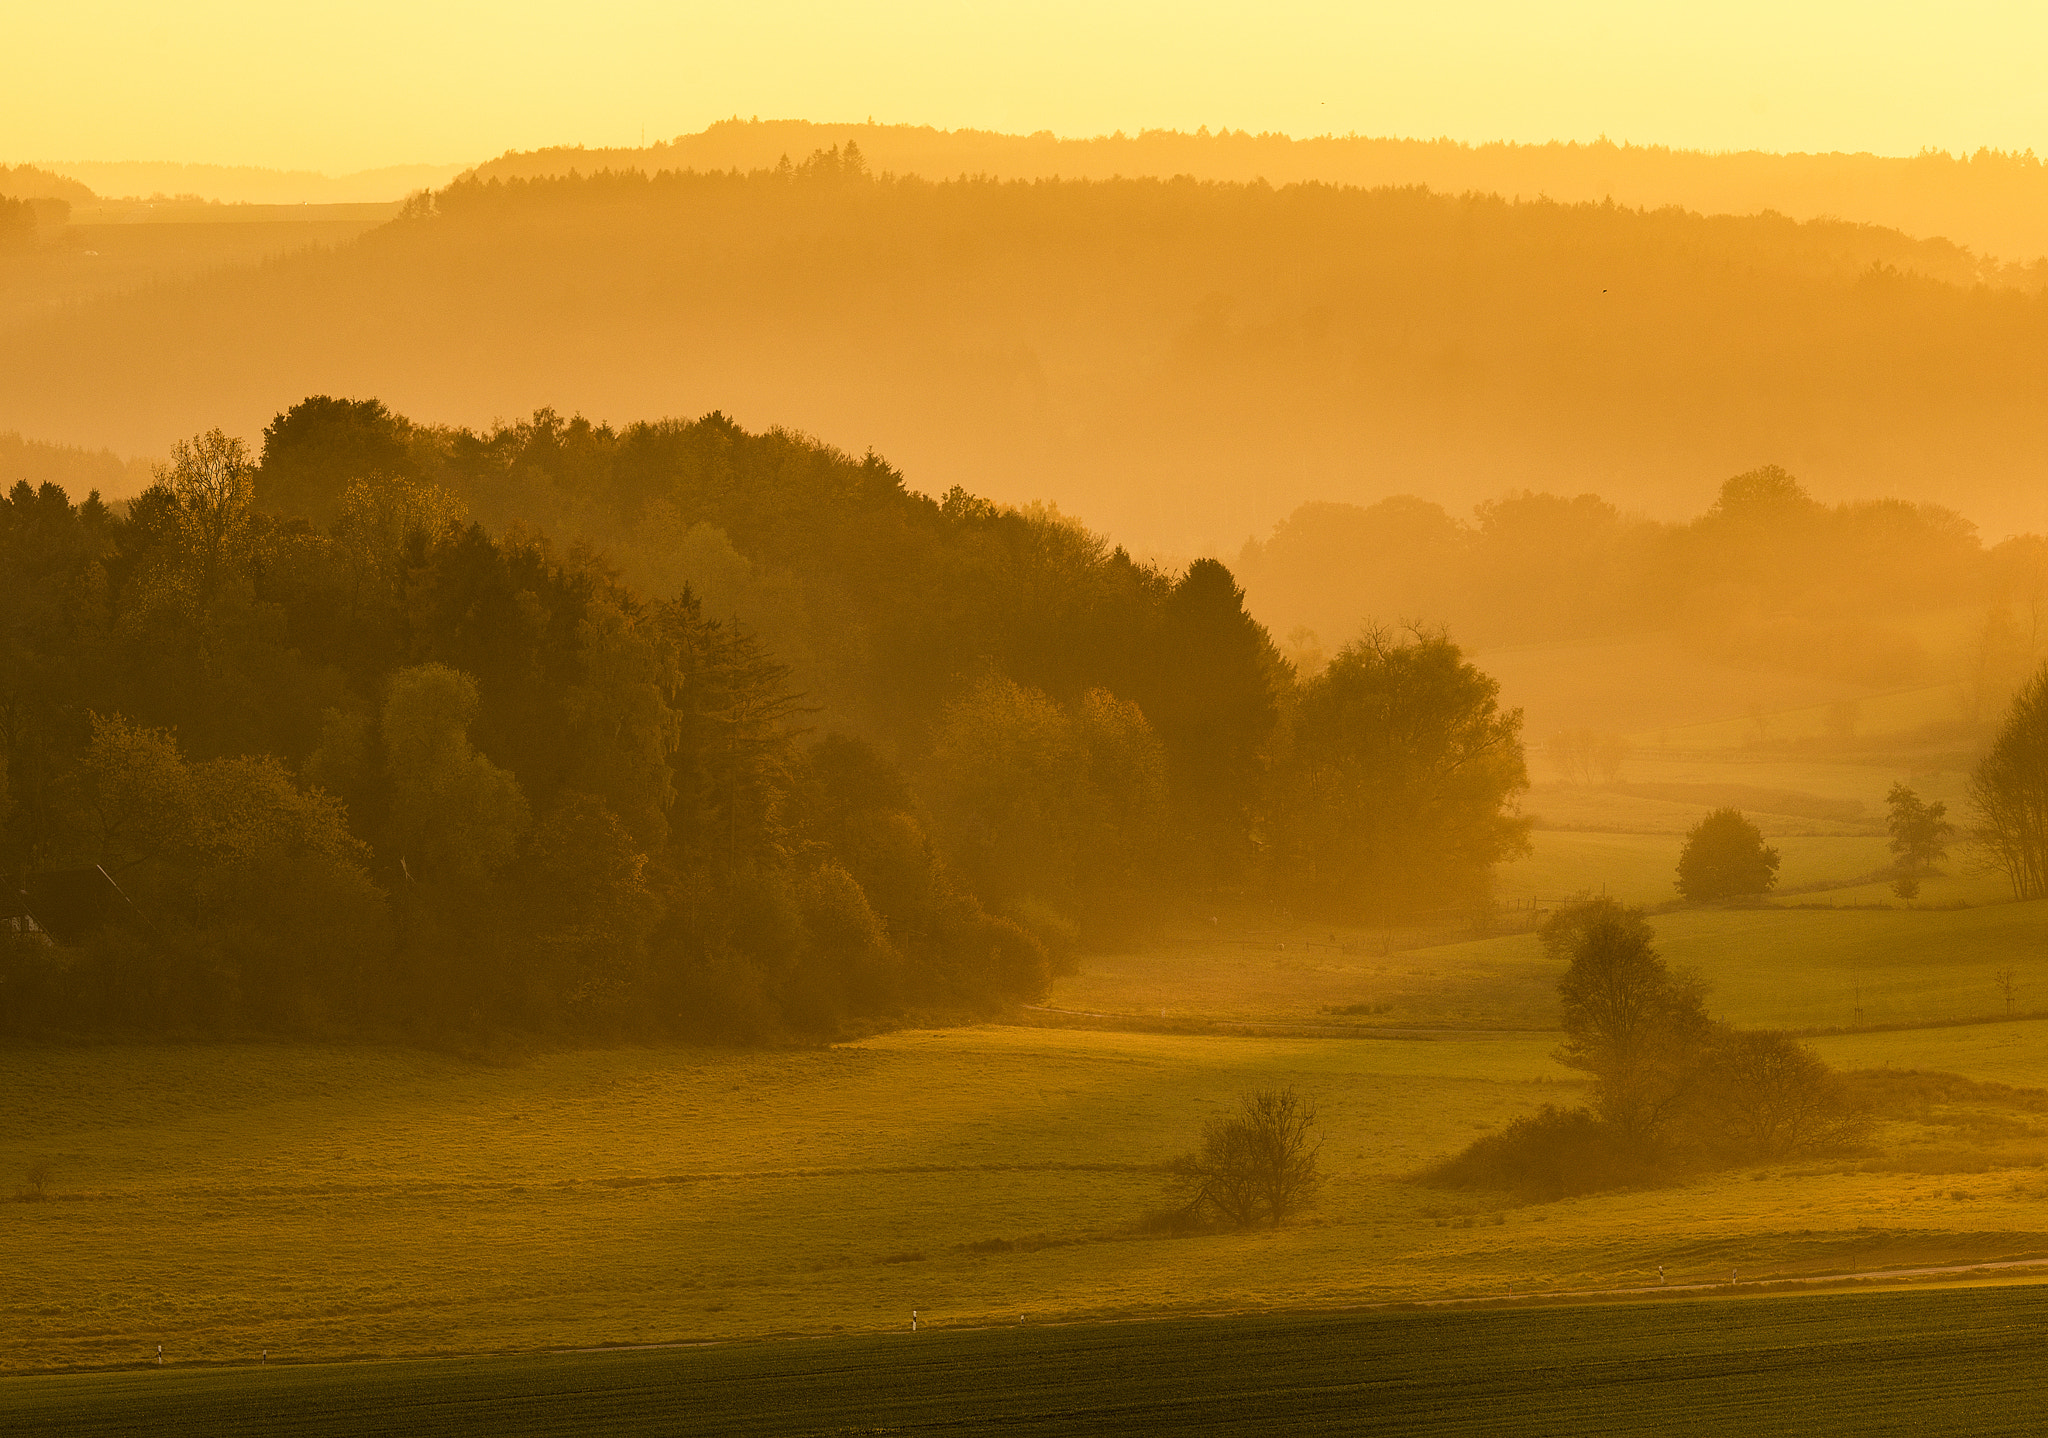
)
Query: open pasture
[
  {"x": 325, "y": 1203},
  {"x": 1963, "y": 1362},
  {"x": 1771, "y": 966},
  {"x": 1642, "y": 868}
]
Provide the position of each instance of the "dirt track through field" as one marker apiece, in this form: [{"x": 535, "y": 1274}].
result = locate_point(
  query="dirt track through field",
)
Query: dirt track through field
[{"x": 1755, "y": 1285}]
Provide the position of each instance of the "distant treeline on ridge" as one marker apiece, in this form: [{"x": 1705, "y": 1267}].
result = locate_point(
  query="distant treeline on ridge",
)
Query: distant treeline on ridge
[
  {"x": 1180, "y": 362},
  {"x": 1994, "y": 202}
]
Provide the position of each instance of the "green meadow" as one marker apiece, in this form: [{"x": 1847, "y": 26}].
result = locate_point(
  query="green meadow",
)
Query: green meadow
[
  {"x": 336, "y": 1202},
  {"x": 324, "y": 1203}
]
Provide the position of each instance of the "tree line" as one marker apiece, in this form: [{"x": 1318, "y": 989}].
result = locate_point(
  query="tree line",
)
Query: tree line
[
  {"x": 365, "y": 763},
  {"x": 1766, "y": 577},
  {"x": 1143, "y": 346},
  {"x": 1990, "y": 201}
]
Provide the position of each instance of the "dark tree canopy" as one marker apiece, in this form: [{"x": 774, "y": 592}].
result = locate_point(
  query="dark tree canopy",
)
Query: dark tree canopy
[
  {"x": 1399, "y": 784},
  {"x": 384, "y": 745},
  {"x": 1725, "y": 857},
  {"x": 315, "y": 449}
]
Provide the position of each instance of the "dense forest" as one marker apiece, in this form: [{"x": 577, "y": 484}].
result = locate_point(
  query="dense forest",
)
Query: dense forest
[
  {"x": 1178, "y": 363},
  {"x": 366, "y": 751},
  {"x": 1767, "y": 576},
  {"x": 1996, "y": 203}
]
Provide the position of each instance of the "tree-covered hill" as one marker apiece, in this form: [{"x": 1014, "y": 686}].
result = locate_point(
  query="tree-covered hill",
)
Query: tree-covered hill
[
  {"x": 1995, "y": 203},
  {"x": 1178, "y": 363},
  {"x": 362, "y": 763}
]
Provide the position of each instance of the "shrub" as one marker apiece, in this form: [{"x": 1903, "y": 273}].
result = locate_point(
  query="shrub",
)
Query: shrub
[
  {"x": 35, "y": 1186},
  {"x": 1552, "y": 1153}
]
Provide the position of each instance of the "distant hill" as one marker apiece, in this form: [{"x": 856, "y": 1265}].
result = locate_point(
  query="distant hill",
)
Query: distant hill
[
  {"x": 1994, "y": 203},
  {"x": 239, "y": 184},
  {"x": 26, "y": 182},
  {"x": 1180, "y": 364},
  {"x": 78, "y": 472}
]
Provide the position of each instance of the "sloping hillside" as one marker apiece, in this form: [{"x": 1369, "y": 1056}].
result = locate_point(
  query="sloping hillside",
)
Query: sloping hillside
[
  {"x": 1178, "y": 363},
  {"x": 1995, "y": 203}
]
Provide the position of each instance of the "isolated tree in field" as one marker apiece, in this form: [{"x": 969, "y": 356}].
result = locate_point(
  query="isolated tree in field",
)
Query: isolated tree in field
[
  {"x": 1257, "y": 1163},
  {"x": 1585, "y": 755},
  {"x": 1638, "y": 1029},
  {"x": 1920, "y": 833},
  {"x": 1725, "y": 857},
  {"x": 2009, "y": 792}
]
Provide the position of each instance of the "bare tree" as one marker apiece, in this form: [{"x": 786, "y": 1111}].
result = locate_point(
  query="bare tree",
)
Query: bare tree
[
  {"x": 1773, "y": 1097},
  {"x": 2008, "y": 981},
  {"x": 1257, "y": 1163}
]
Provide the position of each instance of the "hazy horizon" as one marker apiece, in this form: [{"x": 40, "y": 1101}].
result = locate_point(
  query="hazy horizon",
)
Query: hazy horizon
[{"x": 290, "y": 89}]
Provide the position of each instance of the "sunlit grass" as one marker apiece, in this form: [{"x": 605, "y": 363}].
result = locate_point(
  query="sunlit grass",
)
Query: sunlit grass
[{"x": 322, "y": 1202}]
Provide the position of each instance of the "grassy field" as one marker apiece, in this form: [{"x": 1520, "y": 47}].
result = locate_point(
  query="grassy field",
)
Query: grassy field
[
  {"x": 327, "y": 1203},
  {"x": 1771, "y": 966},
  {"x": 1956, "y": 1362},
  {"x": 1643, "y": 868}
]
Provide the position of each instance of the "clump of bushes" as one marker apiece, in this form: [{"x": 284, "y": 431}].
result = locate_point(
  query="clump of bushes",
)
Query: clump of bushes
[
  {"x": 1552, "y": 1153},
  {"x": 1673, "y": 1091}
]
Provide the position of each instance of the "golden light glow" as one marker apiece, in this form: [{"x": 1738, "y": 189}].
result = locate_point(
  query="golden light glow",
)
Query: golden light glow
[{"x": 381, "y": 82}]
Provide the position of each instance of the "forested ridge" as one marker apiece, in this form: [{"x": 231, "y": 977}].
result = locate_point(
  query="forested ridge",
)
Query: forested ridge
[
  {"x": 1180, "y": 363},
  {"x": 370, "y": 751},
  {"x": 1991, "y": 201}
]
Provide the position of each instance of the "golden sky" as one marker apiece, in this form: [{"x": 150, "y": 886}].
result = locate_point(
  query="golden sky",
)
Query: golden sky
[{"x": 332, "y": 86}]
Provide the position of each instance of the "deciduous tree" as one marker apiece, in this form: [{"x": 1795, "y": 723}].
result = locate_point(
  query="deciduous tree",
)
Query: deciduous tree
[
  {"x": 1638, "y": 1029},
  {"x": 1398, "y": 790},
  {"x": 1258, "y": 1163},
  {"x": 1725, "y": 857},
  {"x": 2009, "y": 792}
]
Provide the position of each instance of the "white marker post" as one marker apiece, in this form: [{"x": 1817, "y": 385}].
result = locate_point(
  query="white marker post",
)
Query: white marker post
[{"x": 913, "y": 1320}]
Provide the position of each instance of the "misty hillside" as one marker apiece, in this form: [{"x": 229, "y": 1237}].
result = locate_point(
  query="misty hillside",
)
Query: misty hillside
[
  {"x": 1180, "y": 364},
  {"x": 76, "y": 471},
  {"x": 1995, "y": 203},
  {"x": 27, "y": 182},
  {"x": 246, "y": 184},
  {"x": 1765, "y": 578}
]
